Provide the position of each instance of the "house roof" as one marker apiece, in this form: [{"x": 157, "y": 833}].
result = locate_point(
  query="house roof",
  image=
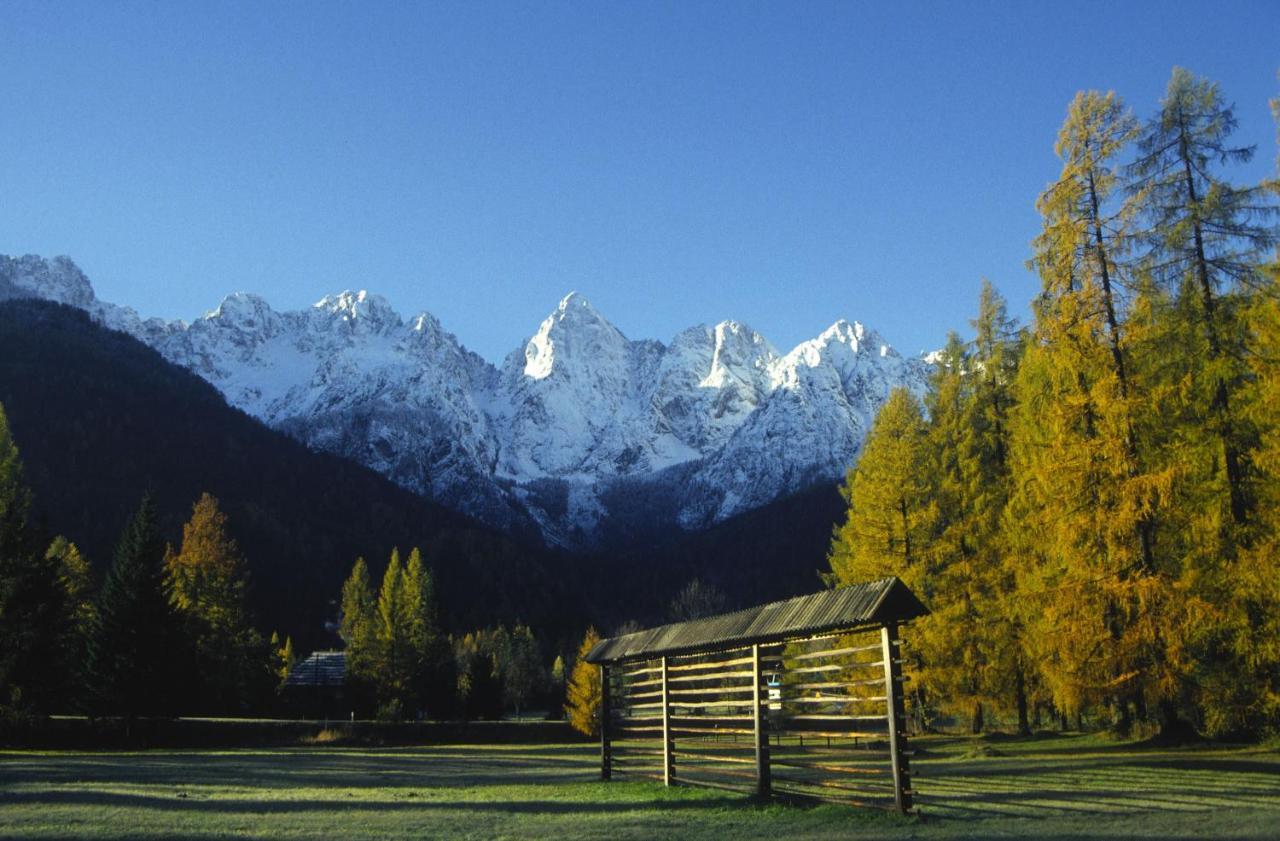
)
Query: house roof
[
  {"x": 843, "y": 609},
  {"x": 322, "y": 668}
]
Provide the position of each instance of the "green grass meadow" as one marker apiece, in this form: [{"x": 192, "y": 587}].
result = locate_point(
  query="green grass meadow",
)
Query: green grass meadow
[{"x": 1059, "y": 787}]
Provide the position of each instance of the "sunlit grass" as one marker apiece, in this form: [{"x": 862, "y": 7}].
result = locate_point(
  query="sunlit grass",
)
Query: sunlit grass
[{"x": 1058, "y": 787}]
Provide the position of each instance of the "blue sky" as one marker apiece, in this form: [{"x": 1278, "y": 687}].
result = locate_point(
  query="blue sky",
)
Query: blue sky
[{"x": 781, "y": 164}]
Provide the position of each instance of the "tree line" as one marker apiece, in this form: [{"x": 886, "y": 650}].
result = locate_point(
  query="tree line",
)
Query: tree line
[
  {"x": 1089, "y": 504},
  {"x": 402, "y": 664},
  {"x": 166, "y": 632}
]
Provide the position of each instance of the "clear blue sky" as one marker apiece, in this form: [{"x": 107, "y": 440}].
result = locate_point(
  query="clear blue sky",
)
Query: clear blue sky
[{"x": 782, "y": 164}]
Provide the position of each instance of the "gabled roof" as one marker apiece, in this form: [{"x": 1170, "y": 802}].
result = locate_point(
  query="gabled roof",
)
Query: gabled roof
[
  {"x": 322, "y": 668},
  {"x": 843, "y": 609}
]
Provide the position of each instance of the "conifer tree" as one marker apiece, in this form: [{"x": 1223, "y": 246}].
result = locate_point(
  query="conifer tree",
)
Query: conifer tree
[
  {"x": 395, "y": 664},
  {"x": 1084, "y": 510},
  {"x": 283, "y": 658},
  {"x": 76, "y": 580},
  {"x": 207, "y": 582},
  {"x": 136, "y": 651},
  {"x": 434, "y": 674},
  {"x": 988, "y": 483},
  {"x": 891, "y": 513},
  {"x": 1206, "y": 240},
  {"x": 557, "y": 688},
  {"x": 358, "y": 628},
  {"x": 1241, "y": 687},
  {"x": 1206, "y": 243},
  {"x": 522, "y": 674},
  {"x": 948, "y": 656},
  {"x": 582, "y": 701},
  {"x": 33, "y": 604}
]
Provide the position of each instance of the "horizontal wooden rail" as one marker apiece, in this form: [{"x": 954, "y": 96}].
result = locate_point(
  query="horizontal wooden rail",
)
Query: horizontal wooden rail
[
  {"x": 833, "y": 652},
  {"x": 704, "y": 704},
  {"x": 694, "y": 692},
  {"x": 832, "y": 684},
  {"x": 685, "y": 768},
  {"x": 832, "y": 667},
  {"x": 713, "y": 664},
  {"x": 713, "y": 676},
  {"x": 787, "y": 762},
  {"x": 715, "y": 757},
  {"x": 792, "y": 732}
]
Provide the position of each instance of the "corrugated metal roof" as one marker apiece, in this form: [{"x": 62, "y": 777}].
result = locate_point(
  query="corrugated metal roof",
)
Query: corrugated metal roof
[
  {"x": 844, "y": 608},
  {"x": 322, "y": 668}
]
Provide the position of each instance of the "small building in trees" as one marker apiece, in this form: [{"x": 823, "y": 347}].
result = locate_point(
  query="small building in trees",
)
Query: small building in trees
[
  {"x": 802, "y": 697},
  {"x": 316, "y": 686}
]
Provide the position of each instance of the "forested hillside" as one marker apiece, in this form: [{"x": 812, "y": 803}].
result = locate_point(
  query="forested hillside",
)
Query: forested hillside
[{"x": 99, "y": 418}]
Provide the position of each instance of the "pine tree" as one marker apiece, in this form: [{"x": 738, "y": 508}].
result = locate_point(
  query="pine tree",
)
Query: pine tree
[
  {"x": 557, "y": 688},
  {"x": 582, "y": 701},
  {"x": 207, "y": 583},
  {"x": 358, "y": 628},
  {"x": 948, "y": 657},
  {"x": 1084, "y": 510},
  {"x": 282, "y": 658},
  {"x": 136, "y": 651},
  {"x": 77, "y": 586},
  {"x": 480, "y": 673},
  {"x": 434, "y": 675},
  {"x": 1242, "y": 684},
  {"x": 395, "y": 667},
  {"x": 33, "y": 604},
  {"x": 988, "y": 483},
  {"x": 968, "y": 652},
  {"x": 522, "y": 671},
  {"x": 891, "y": 516},
  {"x": 1206, "y": 241}
]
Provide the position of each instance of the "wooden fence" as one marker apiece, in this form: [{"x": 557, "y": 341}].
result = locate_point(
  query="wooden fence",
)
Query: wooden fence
[{"x": 812, "y": 717}]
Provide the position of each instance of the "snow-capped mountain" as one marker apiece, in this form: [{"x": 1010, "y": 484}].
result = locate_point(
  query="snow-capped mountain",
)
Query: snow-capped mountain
[{"x": 579, "y": 430}]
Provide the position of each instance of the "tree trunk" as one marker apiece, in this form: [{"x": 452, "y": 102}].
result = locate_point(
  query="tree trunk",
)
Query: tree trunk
[
  {"x": 1020, "y": 697},
  {"x": 1117, "y": 360},
  {"x": 977, "y": 717},
  {"x": 1221, "y": 402}
]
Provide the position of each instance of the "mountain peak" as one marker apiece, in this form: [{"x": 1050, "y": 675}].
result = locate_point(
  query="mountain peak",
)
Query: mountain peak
[
  {"x": 59, "y": 279},
  {"x": 239, "y": 305},
  {"x": 360, "y": 309},
  {"x": 575, "y": 301}
]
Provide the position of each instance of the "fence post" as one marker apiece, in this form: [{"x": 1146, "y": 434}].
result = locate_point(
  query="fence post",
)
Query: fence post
[
  {"x": 897, "y": 718},
  {"x": 668, "y": 747},
  {"x": 606, "y": 718},
  {"x": 764, "y": 782}
]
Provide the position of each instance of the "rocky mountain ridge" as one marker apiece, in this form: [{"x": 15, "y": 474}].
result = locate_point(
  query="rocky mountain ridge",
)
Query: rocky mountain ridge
[{"x": 581, "y": 433}]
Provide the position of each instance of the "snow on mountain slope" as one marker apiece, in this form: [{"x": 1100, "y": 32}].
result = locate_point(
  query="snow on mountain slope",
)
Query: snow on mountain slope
[{"x": 565, "y": 435}]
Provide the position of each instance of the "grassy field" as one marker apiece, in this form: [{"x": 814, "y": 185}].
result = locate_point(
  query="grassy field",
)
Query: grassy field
[{"x": 1068, "y": 787}]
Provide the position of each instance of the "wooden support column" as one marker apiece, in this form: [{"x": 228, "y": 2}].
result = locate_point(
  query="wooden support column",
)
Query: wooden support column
[
  {"x": 606, "y": 719},
  {"x": 668, "y": 745},
  {"x": 897, "y": 710},
  {"x": 760, "y": 700}
]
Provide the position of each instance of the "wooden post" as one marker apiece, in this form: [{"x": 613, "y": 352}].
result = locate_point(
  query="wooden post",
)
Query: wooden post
[
  {"x": 760, "y": 698},
  {"x": 606, "y": 718},
  {"x": 897, "y": 719},
  {"x": 668, "y": 747}
]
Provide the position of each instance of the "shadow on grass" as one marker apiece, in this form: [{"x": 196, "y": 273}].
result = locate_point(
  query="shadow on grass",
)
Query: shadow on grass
[{"x": 180, "y": 803}]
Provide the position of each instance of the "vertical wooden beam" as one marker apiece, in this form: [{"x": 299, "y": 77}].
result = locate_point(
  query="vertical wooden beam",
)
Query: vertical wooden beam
[
  {"x": 606, "y": 719},
  {"x": 668, "y": 761},
  {"x": 897, "y": 718},
  {"x": 760, "y": 698}
]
